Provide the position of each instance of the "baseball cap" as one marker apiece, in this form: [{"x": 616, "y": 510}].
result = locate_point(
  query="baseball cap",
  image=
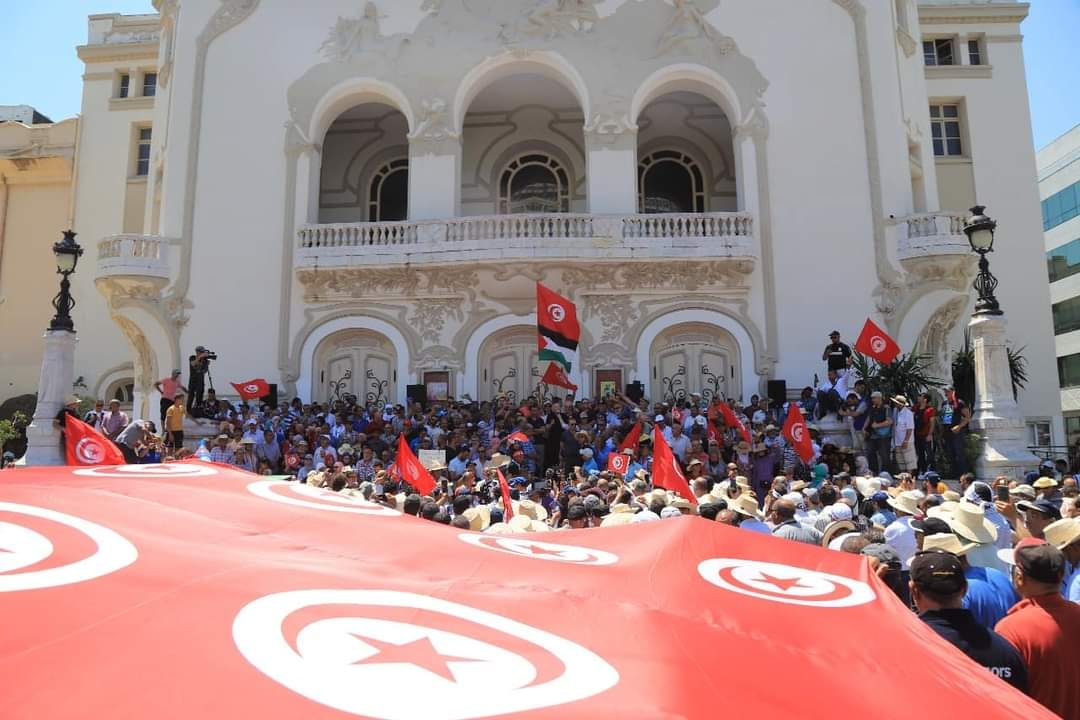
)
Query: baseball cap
[
  {"x": 658, "y": 418},
  {"x": 880, "y": 496},
  {"x": 1046, "y": 507},
  {"x": 1039, "y": 560},
  {"x": 938, "y": 572},
  {"x": 931, "y": 526}
]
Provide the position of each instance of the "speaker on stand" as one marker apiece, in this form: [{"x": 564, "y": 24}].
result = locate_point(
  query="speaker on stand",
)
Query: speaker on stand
[
  {"x": 777, "y": 392},
  {"x": 417, "y": 394}
]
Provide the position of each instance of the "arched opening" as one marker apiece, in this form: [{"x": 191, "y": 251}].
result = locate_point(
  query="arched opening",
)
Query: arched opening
[
  {"x": 355, "y": 365},
  {"x": 365, "y": 166},
  {"x": 509, "y": 364},
  {"x": 523, "y": 148},
  {"x": 686, "y": 160},
  {"x": 694, "y": 357}
]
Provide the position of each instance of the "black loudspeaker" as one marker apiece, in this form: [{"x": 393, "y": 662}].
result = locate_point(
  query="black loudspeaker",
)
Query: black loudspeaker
[
  {"x": 417, "y": 394},
  {"x": 271, "y": 398},
  {"x": 635, "y": 391},
  {"x": 777, "y": 392}
]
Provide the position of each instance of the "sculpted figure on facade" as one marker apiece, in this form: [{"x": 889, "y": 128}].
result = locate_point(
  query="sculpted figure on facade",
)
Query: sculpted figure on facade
[
  {"x": 350, "y": 36},
  {"x": 552, "y": 18},
  {"x": 433, "y": 131},
  {"x": 688, "y": 25}
]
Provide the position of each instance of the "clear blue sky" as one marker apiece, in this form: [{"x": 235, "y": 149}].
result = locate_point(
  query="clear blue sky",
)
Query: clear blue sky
[{"x": 38, "y": 39}]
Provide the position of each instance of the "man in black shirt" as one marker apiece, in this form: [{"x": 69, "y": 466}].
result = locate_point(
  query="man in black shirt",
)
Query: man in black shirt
[
  {"x": 837, "y": 354},
  {"x": 198, "y": 365},
  {"x": 937, "y": 587}
]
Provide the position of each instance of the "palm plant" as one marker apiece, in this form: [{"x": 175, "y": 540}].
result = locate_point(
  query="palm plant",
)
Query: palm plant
[
  {"x": 907, "y": 375},
  {"x": 963, "y": 370}
]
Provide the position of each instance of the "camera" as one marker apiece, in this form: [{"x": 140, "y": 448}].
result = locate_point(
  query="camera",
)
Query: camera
[{"x": 210, "y": 355}]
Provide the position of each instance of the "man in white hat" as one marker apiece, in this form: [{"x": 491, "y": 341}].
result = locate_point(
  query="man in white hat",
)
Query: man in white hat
[
  {"x": 969, "y": 521},
  {"x": 899, "y": 533},
  {"x": 750, "y": 517},
  {"x": 1065, "y": 536},
  {"x": 903, "y": 438}
]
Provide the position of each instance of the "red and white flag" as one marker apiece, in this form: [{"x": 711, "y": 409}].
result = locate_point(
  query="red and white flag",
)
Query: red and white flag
[
  {"x": 87, "y": 446},
  {"x": 796, "y": 433},
  {"x": 504, "y": 489},
  {"x": 876, "y": 343},
  {"x": 618, "y": 463},
  {"x": 555, "y": 375},
  {"x": 518, "y": 437},
  {"x": 630, "y": 442},
  {"x": 252, "y": 389},
  {"x": 731, "y": 420},
  {"x": 666, "y": 472},
  {"x": 411, "y": 469}
]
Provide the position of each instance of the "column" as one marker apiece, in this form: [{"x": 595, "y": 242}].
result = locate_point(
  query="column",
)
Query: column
[
  {"x": 611, "y": 168},
  {"x": 434, "y": 176},
  {"x": 54, "y": 385}
]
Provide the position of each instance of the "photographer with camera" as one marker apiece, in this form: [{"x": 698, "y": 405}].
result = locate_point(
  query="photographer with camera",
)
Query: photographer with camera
[{"x": 198, "y": 369}]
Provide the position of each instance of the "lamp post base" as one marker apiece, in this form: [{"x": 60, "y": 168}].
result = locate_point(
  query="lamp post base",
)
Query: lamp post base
[
  {"x": 997, "y": 417},
  {"x": 57, "y": 375}
]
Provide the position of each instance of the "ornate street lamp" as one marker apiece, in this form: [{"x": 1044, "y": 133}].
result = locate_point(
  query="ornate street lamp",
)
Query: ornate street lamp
[
  {"x": 67, "y": 253},
  {"x": 979, "y": 229}
]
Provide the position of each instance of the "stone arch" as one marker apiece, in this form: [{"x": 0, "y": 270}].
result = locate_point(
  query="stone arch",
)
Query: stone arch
[
  {"x": 546, "y": 63},
  {"x": 694, "y": 357},
  {"x": 352, "y": 92},
  {"x": 305, "y": 385},
  {"x": 748, "y": 376},
  {"x": 125, "y": 372},
  {"x": 688, "y": 77},
  {"x": 469, "y": 381}
]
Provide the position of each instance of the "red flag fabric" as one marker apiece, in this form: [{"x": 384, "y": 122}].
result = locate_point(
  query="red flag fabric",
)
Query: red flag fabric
[
  {"x": 666, "y": 472},
  {"x": 555, "y": 375},
  {"x": 252, "y": 389},
  {"x": 556, "y": 317},
  {"x": 86, "y": 446},
  {"x": 876, "y": 343},
  {"x": 796, "y": 433},
  {"x": 507, "y": 501},
  {"x": 731, "y": 420},
  {"x": 618, "y": 463},
  {"x": 518, "y": 437},
  {"x": 411, "y": 469},
  {"x": 311, "y": 604},
  {"x": 630, "y": 442}
]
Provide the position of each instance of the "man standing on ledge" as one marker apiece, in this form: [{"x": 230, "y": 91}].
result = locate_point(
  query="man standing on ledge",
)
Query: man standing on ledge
[
  {"x": 168, "y": 387},
  {"x": 837, "y": 354}
]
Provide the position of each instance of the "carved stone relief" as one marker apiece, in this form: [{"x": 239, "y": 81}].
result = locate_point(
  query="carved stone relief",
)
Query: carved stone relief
[
  {"x": 329, "y": 284},
  {"x": 430, "y": 316},
  {"x": 615, "y": 312},
  {"x": 350, "y": 36},
  {"x": 434, "y": 132},
  {"x": 934, "y": 338},
  {"x": 687, "y": 27}
]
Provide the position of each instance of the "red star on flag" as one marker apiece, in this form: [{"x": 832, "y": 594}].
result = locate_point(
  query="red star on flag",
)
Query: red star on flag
[
  {"x": 784, "y": 584},
  {"x": 536, "y": 550},
  {"x": 419, "y": 652}
]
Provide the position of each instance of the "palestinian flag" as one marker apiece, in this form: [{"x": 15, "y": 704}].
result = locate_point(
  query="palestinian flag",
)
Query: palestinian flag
[{"x": 557, "y": 323}]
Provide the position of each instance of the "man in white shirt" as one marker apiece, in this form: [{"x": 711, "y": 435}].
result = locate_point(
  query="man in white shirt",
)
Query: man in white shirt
[
  {"x": 832, "y": 391},
  {"x": 899, "y": 534},
  {"x": 904, "y": 436},
  {"x": 458, "y": 464}
]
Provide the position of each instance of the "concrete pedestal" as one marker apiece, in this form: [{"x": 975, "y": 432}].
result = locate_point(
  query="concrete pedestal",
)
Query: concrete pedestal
[
  {"x": 57, "y": 374},
  {"x": 834, "y": 430},
  {"x": 996, "y": 416}
]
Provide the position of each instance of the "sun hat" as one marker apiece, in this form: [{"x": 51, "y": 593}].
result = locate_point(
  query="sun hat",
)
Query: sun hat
[
  {"x": 499, "y": 528},
  {"x": 947, "y": 542},
  {"x": 1044, "y": 482},
  {"x": 670, "y": 512},
  {"x": 867, "y": 486},
  {"x": 615, "y": 519},
  {"x": 1062, "y": 533},
  {"x": 742, "y": 481},
  {"x": 969, "y": 522},
  {"x": 835, "y": 529},
  {"x": 498, "y": 460},
  {"x": 906, "y": 502},
  {"x": 646, "y": 516},
  {"x": 849, "y": 496},
  {"x": 952, "y": 496},
  {"x": 942, "y": 510},
  {"x": 1024, "y": 491},
  {"x": 479, "y": 517},
  {"x": 533, "y": 510},
  {"x": 520, "y": 523},
  {"x": 746, "y": 505},
  {"x": 900, "y": 400}
]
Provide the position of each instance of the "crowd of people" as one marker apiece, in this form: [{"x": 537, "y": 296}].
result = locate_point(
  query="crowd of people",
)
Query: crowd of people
[{"x": 992, "y": 568}]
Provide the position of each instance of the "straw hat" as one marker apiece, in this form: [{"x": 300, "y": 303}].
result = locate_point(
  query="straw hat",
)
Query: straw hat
[
  {"x": 944, "y": 510},
  {"x": 952, "y": 496},
  {"x": 621, "y": 508},
  {"x": 798, "y": 486},
  {"x": 680, "y": 503},
  {"x": 534, "y": 511},
  {"x": 1023, "y": 491},
  {"x": 1044, "y": 482},
  {"x": 746, "y": 505},
  {"x": 614, "y": 519},
  {"x": 743, "y": 482},
  {"x": 717, "y": 492},
  {"x": 520, "y": 523},
  {"x": 834, "y": 530},
  {"x": 499, "y": 529},
  {"x": 479, "y": 517},
  {"x": 867, "y": 486},
  {"x": 1062, "y": 533},
  {"x": 900, "y": 400},
  {"x": 947, "y": 542},
  {"x": 969, "y": 522},
  {"x": 906, "y": 502},
  {"x": 498, "y": 460}
]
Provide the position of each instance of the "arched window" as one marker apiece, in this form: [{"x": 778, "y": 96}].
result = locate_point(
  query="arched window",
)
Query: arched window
[
  {"x": 122, "y": 390},
  {"x": 670, "y": 181},
  {"x": 534, "y": 184},
  {"x": 388, "y": 197}
]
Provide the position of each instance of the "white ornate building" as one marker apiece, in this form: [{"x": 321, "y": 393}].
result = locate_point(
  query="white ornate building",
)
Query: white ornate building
[{"x": 354, "y": 197}]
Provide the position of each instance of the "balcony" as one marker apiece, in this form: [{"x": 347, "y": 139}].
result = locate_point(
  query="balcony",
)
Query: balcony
[
  {"x": 527, "y": 238},
  {"x": 931, "y": 235},
  {"x": 134, "y": 257}
]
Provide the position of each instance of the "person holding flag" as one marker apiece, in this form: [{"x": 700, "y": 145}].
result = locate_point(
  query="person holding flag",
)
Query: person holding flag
[{"x": 666, "y": 471}]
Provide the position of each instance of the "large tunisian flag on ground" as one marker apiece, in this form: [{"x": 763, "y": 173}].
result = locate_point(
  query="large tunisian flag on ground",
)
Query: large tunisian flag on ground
[{"x": 194, "y": 590}]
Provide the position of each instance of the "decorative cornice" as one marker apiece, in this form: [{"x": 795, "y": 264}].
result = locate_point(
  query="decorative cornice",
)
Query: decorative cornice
[
  {"x": 117, "y": 52},
  {"x": 981, "y": 13},
  {"x": 131, "y": 103},
  {"x": 959, "y": 72}
]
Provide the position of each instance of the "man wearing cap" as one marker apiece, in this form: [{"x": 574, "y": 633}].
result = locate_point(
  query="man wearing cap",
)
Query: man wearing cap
[
  {"x": 1044, "y": 627},
  {"x": 1065, "y": 536},
  {"x": 837, "y": 355},
  {"x": 878, "y": 429},
  {"x": 168, "y": 387},
  {"x": 907, "y": 459},
  {"x": 938, "y": 587},
  {"x": 198, "y": 365},
  {"x": 1037, "y": 514}
]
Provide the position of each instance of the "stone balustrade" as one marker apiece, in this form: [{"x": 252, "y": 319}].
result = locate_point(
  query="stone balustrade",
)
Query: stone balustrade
[
  {"x": 527, "y": 236},
  {"x": 926, "y": 234},
  {"x": 133, "y": 256}
]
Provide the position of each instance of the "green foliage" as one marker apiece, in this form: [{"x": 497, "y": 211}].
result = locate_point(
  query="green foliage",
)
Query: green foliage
[
  {"x": 963, "y": 370},
  {"x": 907, "y": 375},
  {"x": 13, "y": 429}
]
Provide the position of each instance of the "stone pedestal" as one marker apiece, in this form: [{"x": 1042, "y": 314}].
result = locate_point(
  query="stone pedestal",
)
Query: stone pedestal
[
  {"x": 57, "y": 375},
  {"x": 834, "y": 430},
  {"x": 996, "y": 415}
]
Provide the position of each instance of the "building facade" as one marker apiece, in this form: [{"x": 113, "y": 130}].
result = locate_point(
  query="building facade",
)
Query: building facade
[
  {"x": 358, "y": 197},
  {"x": 1059, "y": 187}
]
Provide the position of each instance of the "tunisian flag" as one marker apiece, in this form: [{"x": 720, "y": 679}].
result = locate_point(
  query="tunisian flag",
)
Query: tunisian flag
[
  {"x": 796, "y": 433},
  {"x": 555, "y": 375},
  {"x": 557, "y": 323},
  {"x": 252, "y": 389},
  {"x": 666, "y": 472},
  {"x": 411, "y": 470},
  {"x": 618, "y": 463},
  {"x": 504, "y": 490},
  {"x": 437, "y": 622},
  {"x": 732, "y": 421},
  {"x": 876, "y": 343},
  {"x": 630, "y": 442},
  {"x": 86, "y": 446}
]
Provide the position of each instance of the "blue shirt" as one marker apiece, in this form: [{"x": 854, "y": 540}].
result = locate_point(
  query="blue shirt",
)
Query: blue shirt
[
  {"x": 1071, "y": 587},
  {"x": 990, "y": 595},
  {"x": 882, "y": 518}
]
